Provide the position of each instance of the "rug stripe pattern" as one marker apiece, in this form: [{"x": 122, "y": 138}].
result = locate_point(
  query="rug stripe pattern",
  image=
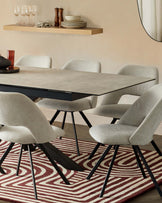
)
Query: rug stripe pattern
[{"x": 125, "y": 181}]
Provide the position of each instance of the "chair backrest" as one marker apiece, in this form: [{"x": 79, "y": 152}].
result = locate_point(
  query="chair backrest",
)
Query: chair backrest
[
  {"x": 87, "y": 66},
  {"x": 18, "y": 110},
  {"x": 138, "y": 90},
  {"x": 83, "y": 65},
  {"x": 34, "y": 61},
  {"x": 145, "y": 114}
]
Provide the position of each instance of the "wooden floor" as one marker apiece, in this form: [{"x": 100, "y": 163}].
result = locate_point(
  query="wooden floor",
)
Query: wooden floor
[{"x": 148, "y": 197}]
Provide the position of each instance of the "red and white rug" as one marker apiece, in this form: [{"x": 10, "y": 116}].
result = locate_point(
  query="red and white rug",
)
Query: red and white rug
[{"x": 125, "y": 181}]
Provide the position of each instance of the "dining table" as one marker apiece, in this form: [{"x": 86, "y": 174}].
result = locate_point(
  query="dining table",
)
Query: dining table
[{"x": 65, "y": 85}]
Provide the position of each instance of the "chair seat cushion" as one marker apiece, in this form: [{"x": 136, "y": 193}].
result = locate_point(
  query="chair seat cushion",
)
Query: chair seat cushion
[
  {"x": 78, "y": 105},
  {"x": 111, "y": 110},
  {"x": 112, "y": 134},
  {"x": 22, "y": 135}
]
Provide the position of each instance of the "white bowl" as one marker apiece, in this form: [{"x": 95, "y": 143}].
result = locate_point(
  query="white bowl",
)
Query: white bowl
[{"x": 72, "y": 18}]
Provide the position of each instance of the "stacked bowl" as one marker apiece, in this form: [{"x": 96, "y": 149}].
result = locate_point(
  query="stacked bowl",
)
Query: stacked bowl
[{"x": 73, "y": 22}]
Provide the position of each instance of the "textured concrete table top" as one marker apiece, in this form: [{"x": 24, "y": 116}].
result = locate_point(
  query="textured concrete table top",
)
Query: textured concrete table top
[{"x": 70, "y": 81}]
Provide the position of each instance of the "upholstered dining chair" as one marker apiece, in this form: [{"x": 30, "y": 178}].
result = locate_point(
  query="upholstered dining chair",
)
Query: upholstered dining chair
[
  {"x": 37, "y": 61},
  {"x": 110, "y": 105},
  {"x": 34, "y": 61},
  {"x": 78, "y": 105},
  {"x": 136, "y": 127},
  {"x": 22, "y": 122}
]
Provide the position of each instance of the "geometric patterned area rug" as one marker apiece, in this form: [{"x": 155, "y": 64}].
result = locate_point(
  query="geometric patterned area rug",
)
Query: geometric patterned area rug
[{"x": 125, "y": 181}]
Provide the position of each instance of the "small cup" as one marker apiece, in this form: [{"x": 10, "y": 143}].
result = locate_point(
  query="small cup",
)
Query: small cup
[{"x": 11, "y": 57}]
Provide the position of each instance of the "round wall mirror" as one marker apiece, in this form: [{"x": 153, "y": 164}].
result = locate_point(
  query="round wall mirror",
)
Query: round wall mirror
[{"x": 150, "y": 12}]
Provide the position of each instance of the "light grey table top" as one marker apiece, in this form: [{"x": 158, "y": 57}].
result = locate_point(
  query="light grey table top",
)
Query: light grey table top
[{"x": 70, "y": 81}]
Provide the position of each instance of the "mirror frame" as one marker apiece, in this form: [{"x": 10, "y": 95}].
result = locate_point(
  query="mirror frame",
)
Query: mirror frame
[{"x": 143, "y": 24}]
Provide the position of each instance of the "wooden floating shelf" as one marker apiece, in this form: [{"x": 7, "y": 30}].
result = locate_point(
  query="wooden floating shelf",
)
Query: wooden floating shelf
[{"x": 80, "y": 31}]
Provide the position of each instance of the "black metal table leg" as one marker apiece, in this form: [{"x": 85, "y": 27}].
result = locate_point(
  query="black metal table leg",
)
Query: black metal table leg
[
  {"x": 53, "y": 163},
  {"x": 1, "y": 170},
  {"x": 61, "y": 158}
]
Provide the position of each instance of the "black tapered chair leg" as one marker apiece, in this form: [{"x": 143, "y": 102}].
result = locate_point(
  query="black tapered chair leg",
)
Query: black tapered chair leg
[
  {"x": 63, "y": 122},
  {"x": 6, "y": 152},
  {"x": 54, "y": 164},
  {"x": 98, "y": 144},
  {"x": 109, "y": 171},
  {"x": 85, "y": 119},
  {"x": 32, "y": 147},
  {"x": 75, "y": 133},
  {"x": 54, "y": 117},
  {"x": 19, "y": 161},
  {"x": 114, "y": 120},
  {"x": 139, "y": 162},
  {"x": 156, "y": 148},
  {"x": 149, "y": 171},
  {"x": 32, "y": 171},
  {"x": 64, "y": 118},
  {"x": 99, "y": 161},
  {"x": 94, "y": 150}
]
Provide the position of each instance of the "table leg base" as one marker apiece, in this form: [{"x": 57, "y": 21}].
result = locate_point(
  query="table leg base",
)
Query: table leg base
[{"x": 61, "y": 158}]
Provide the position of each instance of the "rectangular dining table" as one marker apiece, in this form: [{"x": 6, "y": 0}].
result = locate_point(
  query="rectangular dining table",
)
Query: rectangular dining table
[{"x": 65, "y": 85}]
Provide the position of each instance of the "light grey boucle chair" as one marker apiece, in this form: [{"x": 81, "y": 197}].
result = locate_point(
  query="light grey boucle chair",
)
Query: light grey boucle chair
[
  {"x": 110, "y": 106},
  {"x": 136, "y": 127},
  {"x": 22, "y": 122},
  {"x": 37, "y": 61},
  {"x": 34, "y": 61},
  {"x": 78, "y": 105}
]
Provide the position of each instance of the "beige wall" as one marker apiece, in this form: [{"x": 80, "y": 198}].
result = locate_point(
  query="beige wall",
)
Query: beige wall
[{"x": 123, "y": 41}]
